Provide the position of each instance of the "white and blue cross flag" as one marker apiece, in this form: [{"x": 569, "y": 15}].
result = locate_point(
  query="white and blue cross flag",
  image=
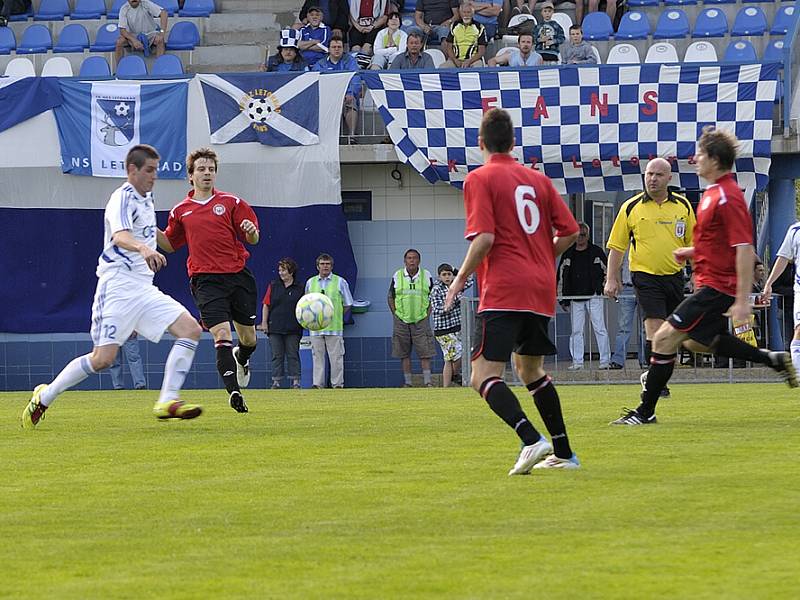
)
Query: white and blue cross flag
[
  {"x": 589, "y": 128},
  {"x": 99, "y": 122},
  {"x": 275, "y": 109}
]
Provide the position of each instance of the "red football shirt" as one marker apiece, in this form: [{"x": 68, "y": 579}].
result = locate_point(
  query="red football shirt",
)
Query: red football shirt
[
  {"x": 723, "y": 222},
  {"x": 212, "y": 230},
  {"x": 523, "y": 210}
]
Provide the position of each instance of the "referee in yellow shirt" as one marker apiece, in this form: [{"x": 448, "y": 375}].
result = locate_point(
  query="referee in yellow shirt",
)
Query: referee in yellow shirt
[{"x": 654, "y": 223}]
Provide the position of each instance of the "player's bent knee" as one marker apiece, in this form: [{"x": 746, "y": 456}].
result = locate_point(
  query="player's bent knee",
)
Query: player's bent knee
[{"x": 186, "y": 326}]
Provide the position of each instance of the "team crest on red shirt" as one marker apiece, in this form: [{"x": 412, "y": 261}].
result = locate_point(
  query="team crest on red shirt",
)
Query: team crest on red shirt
[{"x": 219, "y": 209}]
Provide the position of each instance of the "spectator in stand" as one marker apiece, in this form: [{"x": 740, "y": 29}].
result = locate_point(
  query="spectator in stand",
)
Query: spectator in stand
[
  {"x": 548, "y": 35},
  {"x": 466, "y": 42},
  {"x": 434, "y": 18},
  {"x": 12, "y": 7},
  {"x": 367, "y": 18},
  {"x": 594, "y": 6},
  {"x": 487, "y": 13},
  {"x": 447, "y": 324},
  {"x": 334, "y": 15},
  {"x": 522, "y": 56},
  {"x": 278, "y": 321},
  {"x": 577, "y": 52},
  {"x": 582, "y": 272},
  {"x": 413, "y": 57},
  {"x": 287, "y": 58},
  {"x": 389, "y": 43},
  {"x": 314, "y": 37},
  {"x": 134, "y": 360},
  {"x": 339, "y": 61},
  {"x": 138, "y": 29}
]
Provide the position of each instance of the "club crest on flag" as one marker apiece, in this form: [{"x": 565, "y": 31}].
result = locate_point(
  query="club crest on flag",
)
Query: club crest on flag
[
  {"x": 115, "y": 126},
  {"x": 260, "y": 106}
]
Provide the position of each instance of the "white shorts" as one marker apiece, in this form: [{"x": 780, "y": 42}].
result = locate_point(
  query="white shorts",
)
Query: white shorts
[
  {"x": 124, "y": 304},
  {"x": 796, "y": 309}
]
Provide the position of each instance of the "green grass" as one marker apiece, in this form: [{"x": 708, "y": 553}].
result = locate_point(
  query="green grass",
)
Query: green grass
[{"x": 400, "y": 493}]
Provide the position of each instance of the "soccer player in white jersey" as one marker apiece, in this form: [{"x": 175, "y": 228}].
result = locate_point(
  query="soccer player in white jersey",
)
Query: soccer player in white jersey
[
  {"x": 126, "y": 299},
  {"x": 789, "y": 252}
]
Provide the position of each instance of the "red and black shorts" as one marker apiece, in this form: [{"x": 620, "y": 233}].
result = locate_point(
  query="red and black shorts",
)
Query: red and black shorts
[
  {"x": 499, "y": 333},
  {"x": 658, "y": 295},
  {"x": 222, "y": 297},
  {"x": 701, "y": 315}
]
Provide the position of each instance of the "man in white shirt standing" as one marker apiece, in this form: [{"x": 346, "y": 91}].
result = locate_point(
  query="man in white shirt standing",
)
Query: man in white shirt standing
[{"x": 137, "y": 25}]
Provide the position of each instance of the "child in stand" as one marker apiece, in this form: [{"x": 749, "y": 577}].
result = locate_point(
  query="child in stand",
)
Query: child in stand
[{"x": 447, "y": 324}]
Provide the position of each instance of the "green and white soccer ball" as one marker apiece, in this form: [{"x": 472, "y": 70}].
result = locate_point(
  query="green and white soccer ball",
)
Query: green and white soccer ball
[{"x": 314, "y": 311}]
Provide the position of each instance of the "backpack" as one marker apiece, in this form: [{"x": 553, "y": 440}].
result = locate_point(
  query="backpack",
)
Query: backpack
[{"x": 519, "y": 24}]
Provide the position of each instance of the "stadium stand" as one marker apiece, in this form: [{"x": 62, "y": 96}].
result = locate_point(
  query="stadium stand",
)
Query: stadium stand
[
  {"x": 712, "y": 22},
  {"x": 183, "y": 36},
  {"x": 95, "y": 66},
  {"x": 167, "y": 64},
  {"x": 596, "y": 26},
  {"x": 106, "y": 39},
  {"x": 642, "y": 2},
  {"x": 750, "y": 20},
  {"x": 700, "y": 52},
  {"x": 672, "y": 24},
  {"x": 436, "y": 55},
  {"x": 57, "y": 66},
  {"x": 8, "y": 41},
  {"x": 131, "y": 67},
  {"x": 197, "y": 8},
  {"x": 661, "y": 52},
  {"x": 740, "y": 51},
  {"x": 88, "y": 9},
  {"x": 774, "y": 51},
  {"x": 73, "y": 38},
  {"x": 633, "y": 26},
  {"x": 20, "y": 67},
  {"x": 680, "y": 2},
  {"x": 35, "y": 40},
  {"x": 52, "y": 10},
  {"x": 623, "y": 54},
  {"x": 564, "y": 20},
  {"x": 113, "y": 13},
  {"x": 784, "y": 18},
  {"x": 171, "y": 6}
]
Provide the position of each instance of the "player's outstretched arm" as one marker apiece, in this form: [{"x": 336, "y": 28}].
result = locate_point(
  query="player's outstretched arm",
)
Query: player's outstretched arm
[
  {"x": 163, "y": 242},
  {"x": 478, "y": 249},
  {"x": 125, "y": 240},
  {"x": 777, "y": 269}
]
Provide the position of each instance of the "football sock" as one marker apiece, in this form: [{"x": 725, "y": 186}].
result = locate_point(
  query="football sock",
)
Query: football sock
[
  {"x": 795, "y": 348},
  {"x": 546, "y": 399},
  {"x": 226, "y": 365},
  {"x": 179, "y": 361},
  {"x": 76, "y": 371},
  {"x": 648, "y": 351},
  {"x": 244, "y": 353},
  {"x": 407, "y": 378},
  {"x": 426, "y": 376},
  {"x": 506, "y": 406},
  {"x": 661, "y": 368},
  {"x": 730, "y": 346}
]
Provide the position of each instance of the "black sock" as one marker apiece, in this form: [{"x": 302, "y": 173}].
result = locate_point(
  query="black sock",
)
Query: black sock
[
  {"x": 661, "y": 368},
  {"x": 546, "y": 399},
  {"x": 244, "y": 353},
  {"x": 506, "y": 406},
  {"x": 648, "y": 351},
  {"x": 730, "y": 346},
  {"x": 226, "y": 365}
]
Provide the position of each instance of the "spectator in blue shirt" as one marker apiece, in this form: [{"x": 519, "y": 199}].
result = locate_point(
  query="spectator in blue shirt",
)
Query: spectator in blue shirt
[
  {"x": 523, "y": 56},
  {"x": 314, "y": 37},
  {"x": 337, "y": 60},
  {"x": 287, "y": 58}
]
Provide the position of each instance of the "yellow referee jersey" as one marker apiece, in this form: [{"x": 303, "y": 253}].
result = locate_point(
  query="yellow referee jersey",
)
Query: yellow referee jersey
[{"x": 653, "y": 232}]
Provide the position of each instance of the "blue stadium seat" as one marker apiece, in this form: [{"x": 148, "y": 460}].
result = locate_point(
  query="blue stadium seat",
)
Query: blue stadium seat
[
  {"x": 8, "y": 41},
  {"x": 740, "y": 51},
  {"x": 635, "y": 3},
  {"x": 171, "y": 6},
  {"x": 197, "y": 8},
  {"x": 183, "y": 36},
  {"x": 633, "y": 26},
  {"x": 52, "y": 10},
  {"x": 774, "y": 51},
  {"x": 167, "y": 64},
  {"x": 131, "y": 67},
  {"x": 673, "y": 23},
  {"x": 113, "y": 13},
  {"x": 718, "y": 2},
  {"x": 73, "y": 38},
  {"x": 106, "y": 39},
  {"x": 750, "y": 20},
  {"x": 752, "y": 1},
  {"x": 95, "y": 66},
  {"x": 784, "y": 18},
  {"x": 597, "y": 26},
  {"x": 710, "y": 23},
  {"x": 35, "y": 40},
  {"x": 680, "y": 2},
  {"x": 88, "y": 9}
]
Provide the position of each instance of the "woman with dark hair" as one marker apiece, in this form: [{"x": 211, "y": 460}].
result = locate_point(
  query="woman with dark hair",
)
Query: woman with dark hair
[
  {"x": 287, "y": 58},
  {"x": 278, "y": 321}
]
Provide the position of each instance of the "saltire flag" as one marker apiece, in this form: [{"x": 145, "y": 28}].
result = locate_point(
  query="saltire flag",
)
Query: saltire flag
[
  {"x": 99, "y": 122},
  {"x": 275, "y": 109},
  {"x": 589, "y": 128},
  {"x": 24, "y": 97}
]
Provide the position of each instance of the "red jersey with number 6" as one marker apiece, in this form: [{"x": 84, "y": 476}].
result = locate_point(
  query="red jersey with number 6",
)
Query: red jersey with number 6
[
  {"x": 524, "y": 211},
  {"x": 213, "y": 231}
]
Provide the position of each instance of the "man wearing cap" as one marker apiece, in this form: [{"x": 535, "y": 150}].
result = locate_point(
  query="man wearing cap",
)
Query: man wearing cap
[
  {"x": 138, "y": 29},
  {"x": 287, "y": 58},
  {"x": 335, "y": 14},
  {"x": 314, "y": 37}
]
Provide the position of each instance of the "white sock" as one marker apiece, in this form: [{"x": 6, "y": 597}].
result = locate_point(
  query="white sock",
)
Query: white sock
[
  {"x": 794, "y": 347},
  {"x": 178, "y": 364},
  {"x": 426, "y": 376},
  {"x": 76, "y": 371}
]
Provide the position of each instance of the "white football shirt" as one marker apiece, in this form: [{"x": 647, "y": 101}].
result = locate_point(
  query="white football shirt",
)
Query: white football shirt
[{"x": 790, "y": 250}]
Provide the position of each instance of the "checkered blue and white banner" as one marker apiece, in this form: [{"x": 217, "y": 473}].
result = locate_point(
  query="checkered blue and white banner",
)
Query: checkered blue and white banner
[{"x": 588, "y": 128}]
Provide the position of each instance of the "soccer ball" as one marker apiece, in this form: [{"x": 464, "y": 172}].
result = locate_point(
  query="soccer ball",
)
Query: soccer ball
[
  {"x": 314, "y": 311},
  {"x": 258, "y": 110}
]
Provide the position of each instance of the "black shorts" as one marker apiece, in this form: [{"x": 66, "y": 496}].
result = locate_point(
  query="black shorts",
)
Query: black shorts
[
  {"x": 499, "y": 333},
  {"x": 700, "y": 316},
  {"x": 658, "y": 295},
  {"x": 222, "y": 297},
  {"x": 356, "y": 38}
]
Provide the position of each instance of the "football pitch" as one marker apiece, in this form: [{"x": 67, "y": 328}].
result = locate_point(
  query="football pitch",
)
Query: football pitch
[{"x": 384, "y": 493}]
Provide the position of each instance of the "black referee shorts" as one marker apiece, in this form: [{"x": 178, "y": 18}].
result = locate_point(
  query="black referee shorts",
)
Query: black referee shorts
[
  {"x": 499, "y": 333},
  {"x": 700, "y": 316},
  {"x": 222, "y": 297},
  {"x": 658, "y": 295}
]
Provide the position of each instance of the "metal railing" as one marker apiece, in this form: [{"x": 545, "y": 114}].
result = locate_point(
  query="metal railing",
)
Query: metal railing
[{"x": 770, "y": 329}]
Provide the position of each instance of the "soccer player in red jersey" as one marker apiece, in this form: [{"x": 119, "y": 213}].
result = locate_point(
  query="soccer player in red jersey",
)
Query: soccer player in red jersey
[
  {"x": 213, "y": 225},
  {"x": 512, "y": 213},
  {"x": 723, "y": 274}
]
